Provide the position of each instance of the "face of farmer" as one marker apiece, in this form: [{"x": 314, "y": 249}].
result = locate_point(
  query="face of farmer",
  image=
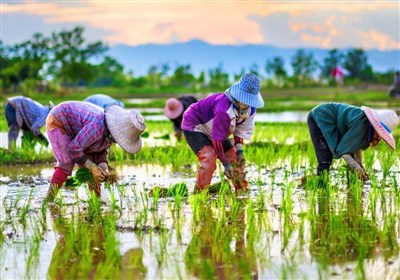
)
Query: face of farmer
[{"x": 375, "y": 140}]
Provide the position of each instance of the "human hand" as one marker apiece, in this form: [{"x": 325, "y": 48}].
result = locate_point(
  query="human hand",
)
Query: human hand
[
  {"x": 361, "y": 174},
  {"x": 228, "y": 170},
  {"x": 99, "y": 174},
  {"x": 104, "y": 167},
  {"x": 240, "y": 158}
]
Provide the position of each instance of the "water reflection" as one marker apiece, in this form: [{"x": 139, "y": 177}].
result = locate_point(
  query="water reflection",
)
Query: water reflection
[
  {"x": 343, "y": 233},
  {"x": 218, "y": 249}
]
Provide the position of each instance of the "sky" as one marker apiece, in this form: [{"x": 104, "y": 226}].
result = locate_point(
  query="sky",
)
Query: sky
[{"x": 288, "y": 24}]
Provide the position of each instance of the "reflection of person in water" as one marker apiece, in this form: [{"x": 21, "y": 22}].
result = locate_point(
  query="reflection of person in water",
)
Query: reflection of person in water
[
  {"x": 79, "y": 248},
  {"x": 90, "y": 250},
  {"x": 210, "y": 254},
  {"x": 345, "y": 236},
  {"x": 132, "y": 266}
]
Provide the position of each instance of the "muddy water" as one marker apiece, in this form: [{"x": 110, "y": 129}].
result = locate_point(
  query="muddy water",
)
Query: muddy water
[{"x": 289, "y": 238}]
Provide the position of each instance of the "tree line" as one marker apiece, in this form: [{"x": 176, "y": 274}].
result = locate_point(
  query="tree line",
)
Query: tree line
[{"x": 66, "y": 60}]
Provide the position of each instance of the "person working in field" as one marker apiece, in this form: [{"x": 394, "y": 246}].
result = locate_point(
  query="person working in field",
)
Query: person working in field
[
  {"x": 103, "y": 100},
  {"x": 26, "y": 114},
  {"x": 174, "y": 109},
  {"x": 81, "y": 133},
  {"x": 208, "y": 124},
  {"x": 340, "y": 130}
]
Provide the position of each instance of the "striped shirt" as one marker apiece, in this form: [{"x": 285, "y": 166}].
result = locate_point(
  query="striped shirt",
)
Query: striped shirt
[
  {"x": 29, "y": 112},
  {"x": 86, "y": 126}
]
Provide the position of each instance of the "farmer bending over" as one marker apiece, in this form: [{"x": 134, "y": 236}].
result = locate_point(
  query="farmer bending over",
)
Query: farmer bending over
[
  {"x": 174, "y": 109},
  {"x": 208, "y": 124},
  {"x": 342, "y": 131},
  {"x": 26, "y": 114},
  {"x": 103, "y": 100},
  {"x": 81, "y": 133}
]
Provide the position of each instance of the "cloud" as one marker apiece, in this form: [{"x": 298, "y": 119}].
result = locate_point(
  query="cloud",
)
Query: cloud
[
  {"x": 331, "y": 29},
  {"x": 285, "y": 24}
]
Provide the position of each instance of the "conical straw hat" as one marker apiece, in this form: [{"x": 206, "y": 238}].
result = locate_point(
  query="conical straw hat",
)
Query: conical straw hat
[
  {"x": 384, "y": 122},
  {"x": 125, "y": 127}
]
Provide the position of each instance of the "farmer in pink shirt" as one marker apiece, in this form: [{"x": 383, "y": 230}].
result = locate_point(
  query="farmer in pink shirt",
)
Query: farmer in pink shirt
[{"x": 81, "y": 133}]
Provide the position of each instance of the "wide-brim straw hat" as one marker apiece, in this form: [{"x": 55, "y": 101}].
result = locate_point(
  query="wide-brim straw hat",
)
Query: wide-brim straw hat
[
  {"x": 173, "y": 108},
  {"x": 125, "y": 127},
  {"x": 384, "y": 122},
  {"x": 247, "y": 91}
]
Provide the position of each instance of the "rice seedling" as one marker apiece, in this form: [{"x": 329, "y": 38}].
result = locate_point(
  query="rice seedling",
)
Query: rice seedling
[{"x": 332, "y": 226}]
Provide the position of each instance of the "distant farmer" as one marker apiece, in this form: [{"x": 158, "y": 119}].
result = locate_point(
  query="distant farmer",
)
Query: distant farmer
[
  {"x": 208, "y": 124},
  {"x": 337, "y": 74},
  {"x": 81, "y": 133},
  {"x": 394, "y": 90},
  {"x": 103, "y": 100},
  {"x": 26, "y": 114},
  {"x": 174, "y": 109},
  {"x": 342, "y": 131}
]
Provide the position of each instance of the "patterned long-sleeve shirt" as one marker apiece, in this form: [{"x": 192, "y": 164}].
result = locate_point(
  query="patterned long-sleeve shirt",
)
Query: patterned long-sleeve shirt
[
  {"x": 29, "y": 112},
  {"x": 214, "y": 116},
  {"x": 86, "y": 126}
]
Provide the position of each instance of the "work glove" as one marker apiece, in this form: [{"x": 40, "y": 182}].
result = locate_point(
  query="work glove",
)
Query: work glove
[
  {"x": 104, "y": 167},
  {"x": 358, "y": 168},
  {"x": 98, "y": 174},
  {"x": 228, "y": 170},
  {"x": 240, "y": 158},
  {"x": 361, "y": 174}
]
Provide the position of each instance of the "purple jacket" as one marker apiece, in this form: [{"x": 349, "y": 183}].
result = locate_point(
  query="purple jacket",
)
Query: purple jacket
[{"x": 214, "y": 116}]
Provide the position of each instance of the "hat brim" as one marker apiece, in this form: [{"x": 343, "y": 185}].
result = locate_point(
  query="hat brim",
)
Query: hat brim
[
  {"x": 173, "y": 114},
  {"x": 372, "y": 116},
  {"x": 125, "y": 130},
  {"x": 250, "y": 99}
]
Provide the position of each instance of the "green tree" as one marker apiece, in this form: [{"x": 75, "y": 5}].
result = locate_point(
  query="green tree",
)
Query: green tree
[
  {"x": 334, "y": 58},
  {"x": 23, "y": 63},
  {"x": 304, "y": 66},
  {"x": 183, "y": 76},
  {"x": 355, "y": 62},
  {"x": 276, "y": 67},
  {"x": 217, "y": 77},
  {"x": 71, "y": 56},
  {"x": 109, "y": 73}
]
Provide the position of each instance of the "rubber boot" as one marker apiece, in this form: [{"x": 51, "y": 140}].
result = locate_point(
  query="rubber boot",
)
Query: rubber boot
[
  {"x": 239, "y": 181},
  {"x": 207, "y": 165},
  {"x": 57, "y": 180}
]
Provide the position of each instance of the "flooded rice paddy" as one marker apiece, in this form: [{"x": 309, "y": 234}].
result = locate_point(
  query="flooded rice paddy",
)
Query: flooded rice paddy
[{"x": 279, "y": 229}]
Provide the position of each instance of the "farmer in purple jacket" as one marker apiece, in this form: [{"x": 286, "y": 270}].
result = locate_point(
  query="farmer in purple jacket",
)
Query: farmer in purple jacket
[
  {"x": 81, "y": 133},
  {"x": 208, "y": 124},
  {"x": 174, "y": 109},
  {"x": 26, "y": 114}
]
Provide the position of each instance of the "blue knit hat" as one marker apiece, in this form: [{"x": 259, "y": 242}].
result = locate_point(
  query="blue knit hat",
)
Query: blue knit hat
[{"x": 247, "y": 91}]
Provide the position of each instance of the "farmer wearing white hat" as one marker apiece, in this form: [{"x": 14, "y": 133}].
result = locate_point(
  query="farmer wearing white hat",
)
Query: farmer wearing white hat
[
  {"x": 81, "y": 133},
  {"x": 174, "y": 109},
  {"x": 340, "y": 130},
  {"x": 208, "y": 124},
  {"x": 103, "y": 100}
]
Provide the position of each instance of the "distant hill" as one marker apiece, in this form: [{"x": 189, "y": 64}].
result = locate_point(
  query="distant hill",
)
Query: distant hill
[{"x": 203, "y": 56}]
